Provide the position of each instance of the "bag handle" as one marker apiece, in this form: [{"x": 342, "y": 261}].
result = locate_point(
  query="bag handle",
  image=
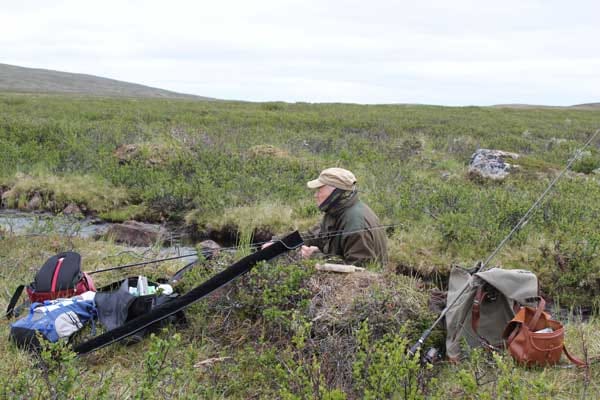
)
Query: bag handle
[{"x": 538, "y": 313}]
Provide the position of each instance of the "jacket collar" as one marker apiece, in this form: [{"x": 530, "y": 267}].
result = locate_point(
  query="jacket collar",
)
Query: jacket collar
[{"x": 344, "y": 203}]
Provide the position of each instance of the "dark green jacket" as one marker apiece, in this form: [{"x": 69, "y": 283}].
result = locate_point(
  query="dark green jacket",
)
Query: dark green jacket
[{"x": 337, "y": 233}]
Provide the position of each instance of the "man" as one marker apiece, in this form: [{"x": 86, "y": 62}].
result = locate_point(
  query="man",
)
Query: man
[{"x": 349, "y": 228}]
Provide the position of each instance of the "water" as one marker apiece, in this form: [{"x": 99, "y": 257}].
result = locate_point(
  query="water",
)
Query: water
[
  {"x": 22, "y": 223},
  {"x": 32, "y": 224}
]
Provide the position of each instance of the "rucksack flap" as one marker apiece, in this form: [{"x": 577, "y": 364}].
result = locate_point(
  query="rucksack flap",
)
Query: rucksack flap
[
  {"x": 59, "y": 272},
  {"x": 60, "y": 277}
]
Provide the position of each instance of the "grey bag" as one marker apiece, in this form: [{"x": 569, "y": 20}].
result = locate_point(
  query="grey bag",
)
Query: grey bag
[
  {"x": 505, "y": 290},
  {"x": 113, "y": 307}
]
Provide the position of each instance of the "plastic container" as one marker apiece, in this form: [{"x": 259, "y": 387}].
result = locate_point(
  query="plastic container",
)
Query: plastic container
[
  {"x": 166, "y": 289},
  {"x": 142, "y": 285}
]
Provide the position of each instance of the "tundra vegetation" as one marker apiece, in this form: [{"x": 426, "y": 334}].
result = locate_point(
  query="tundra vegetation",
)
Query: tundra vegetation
[{"x": 284, "y": 330}]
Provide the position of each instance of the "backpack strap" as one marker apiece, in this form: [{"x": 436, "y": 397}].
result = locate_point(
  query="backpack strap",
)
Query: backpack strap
[
  {"x": 480, "y": 296},
  {"x": 10, "y": 310}
]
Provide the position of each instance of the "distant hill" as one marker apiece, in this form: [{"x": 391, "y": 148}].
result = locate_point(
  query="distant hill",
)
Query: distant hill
[
  {"x": 588, "y": 105},
  {"x": 533, "y": 106},
  {"x": 523, "y": 106},
  {"x": 32, "y": 80}
]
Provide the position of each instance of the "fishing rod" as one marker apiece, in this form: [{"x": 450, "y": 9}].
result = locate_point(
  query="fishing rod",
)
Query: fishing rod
[
  {"x": 209, "y": 252},
  {"x": 141, "y": 263},
  {"x": 482, "y": 265}
]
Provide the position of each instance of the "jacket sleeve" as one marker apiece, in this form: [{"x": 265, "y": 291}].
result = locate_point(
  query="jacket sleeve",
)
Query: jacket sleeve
[
  {"x": 313, "y": 237},
  {"x": 359, "y": 248}
]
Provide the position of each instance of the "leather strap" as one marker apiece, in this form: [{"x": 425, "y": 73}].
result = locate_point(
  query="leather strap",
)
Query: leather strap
[
  {"x": 476, "y": 310},
  {"x": 574, "y": 359},
  {"x": 538, "y": 313},
  {"x": 480, "y": 296}
]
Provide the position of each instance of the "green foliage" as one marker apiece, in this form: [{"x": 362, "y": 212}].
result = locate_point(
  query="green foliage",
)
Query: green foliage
[
  {"x": 159, "y": 368},
  {"x": 59, "y": 369},
  {"x": 587, "y": 164},
  {"x": 383, "y": 369},
  {"x": 276, "y": 293},
  {"x": 485, "y": 376},
  {"x": 247, "y": 164},
  {"x": 56, "y": 192}
]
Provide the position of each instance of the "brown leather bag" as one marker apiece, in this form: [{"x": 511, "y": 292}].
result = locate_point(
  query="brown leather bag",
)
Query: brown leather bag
[{"x": 530, "y": 347}]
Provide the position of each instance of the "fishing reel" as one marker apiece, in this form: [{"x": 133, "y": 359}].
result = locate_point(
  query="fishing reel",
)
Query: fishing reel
[{"x": 432, "y": 356}]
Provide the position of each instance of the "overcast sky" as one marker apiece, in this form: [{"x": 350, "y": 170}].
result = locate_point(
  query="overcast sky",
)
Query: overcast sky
[{"x": 368, "y": 51}]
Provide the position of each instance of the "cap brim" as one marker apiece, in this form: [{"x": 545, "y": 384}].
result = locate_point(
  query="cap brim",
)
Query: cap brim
[{"x": 315, "y": 184}]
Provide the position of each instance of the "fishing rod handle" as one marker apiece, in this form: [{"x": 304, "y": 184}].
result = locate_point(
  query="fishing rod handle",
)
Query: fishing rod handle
[{"x": 413, "y": 350}]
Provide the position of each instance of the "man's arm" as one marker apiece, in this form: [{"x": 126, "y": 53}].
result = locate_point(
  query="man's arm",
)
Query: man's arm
[
  {"x": 359, "y": 248},
  {"x": 313, "y": 237}
]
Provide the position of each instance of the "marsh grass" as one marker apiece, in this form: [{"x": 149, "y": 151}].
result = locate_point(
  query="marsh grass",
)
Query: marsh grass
[
  {"x": 253, "y": 321},
  {"x": 245, "y": 165}
]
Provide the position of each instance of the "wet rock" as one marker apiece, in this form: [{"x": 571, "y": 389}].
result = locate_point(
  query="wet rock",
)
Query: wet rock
[
  {"x": 491, "y": 164},
  {"x": 137, "y": 233},
  {"x": 125, "y": 153},
  {"x": 51, "y": 206},
  {"x": 262, "y": 234},
  {"x": 72, "y": 209},
  {"x": 209, "y": 244},
  {"x": 152, "y": 154},
  {"x": 35, "y": 203},
  {"x": 6, "y": 195},
  {"x": 209, "y": 247}
]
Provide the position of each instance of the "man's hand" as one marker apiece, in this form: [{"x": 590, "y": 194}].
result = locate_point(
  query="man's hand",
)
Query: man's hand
[
  {"x": 307, "y": 251},
  {"x": 265, "y": 245}
]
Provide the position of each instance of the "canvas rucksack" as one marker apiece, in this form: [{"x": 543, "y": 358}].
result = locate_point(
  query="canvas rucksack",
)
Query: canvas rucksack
[
  {"x": 59, "y": 277},
  {"x": 489, "y": 303},
  {"x": 501, "y": 308}
]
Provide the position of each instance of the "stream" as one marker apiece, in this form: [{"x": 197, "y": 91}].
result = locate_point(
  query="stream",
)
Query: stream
[{"x": 22, "y": 223}]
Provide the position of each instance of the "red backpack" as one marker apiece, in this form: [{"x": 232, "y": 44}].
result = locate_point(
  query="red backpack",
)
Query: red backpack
[{"x": 59, "y": 277}]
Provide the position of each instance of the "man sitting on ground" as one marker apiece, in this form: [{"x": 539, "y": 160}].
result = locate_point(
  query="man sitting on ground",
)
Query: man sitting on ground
[{"x": 349, "y": 228}]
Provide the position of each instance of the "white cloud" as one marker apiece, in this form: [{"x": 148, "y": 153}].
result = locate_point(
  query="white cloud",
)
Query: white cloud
[{"x": 460, "y": 52}]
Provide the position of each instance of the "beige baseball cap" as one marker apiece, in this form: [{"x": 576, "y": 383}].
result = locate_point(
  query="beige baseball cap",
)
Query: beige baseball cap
[{"x": 337, "y": 177}]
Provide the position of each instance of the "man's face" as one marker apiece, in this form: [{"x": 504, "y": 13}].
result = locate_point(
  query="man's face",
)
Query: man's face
[{"x": 322, "y": 193}]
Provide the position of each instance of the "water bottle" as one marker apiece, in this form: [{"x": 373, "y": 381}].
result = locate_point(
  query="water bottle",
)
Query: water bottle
[{"x": 142, "y": 285}]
